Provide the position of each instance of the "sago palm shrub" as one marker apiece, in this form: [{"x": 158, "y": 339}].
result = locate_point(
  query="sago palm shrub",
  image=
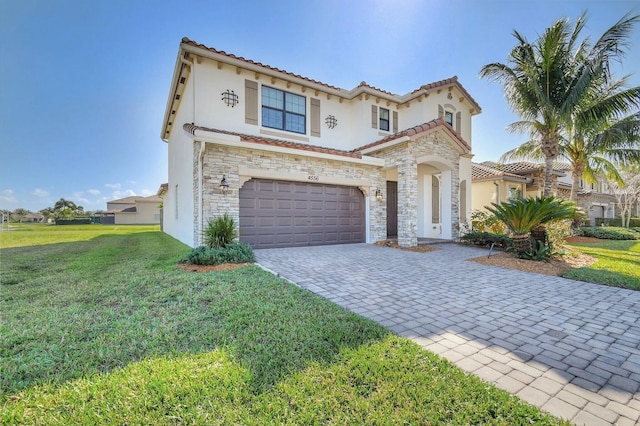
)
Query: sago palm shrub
[{"x": 521, "y": 215}]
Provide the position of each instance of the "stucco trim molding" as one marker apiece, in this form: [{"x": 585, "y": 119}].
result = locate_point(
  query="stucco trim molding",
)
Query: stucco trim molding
[
  {"x": 248, "y": 173},
  {"x": 235, "y": 141}
]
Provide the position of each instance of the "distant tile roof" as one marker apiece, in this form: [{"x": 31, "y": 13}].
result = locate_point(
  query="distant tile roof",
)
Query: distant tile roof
[
  {"x": 433, "y": 124},
  {"x": 191, "y": 128},
  {"x": 151, "y": 199},
  {"x": 127, "y": 200},
  {"x": 523, "y": 167},
  {"x": 482, "y": 171}
]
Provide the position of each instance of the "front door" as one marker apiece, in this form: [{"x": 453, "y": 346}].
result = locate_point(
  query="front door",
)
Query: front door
[{"x": 392, "y": 209}]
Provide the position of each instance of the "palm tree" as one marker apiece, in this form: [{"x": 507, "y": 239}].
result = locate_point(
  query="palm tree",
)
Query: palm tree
[
  {"x": 546, "y": 82},
  {"x": 65, "y": 207},
  {"x": 598, "y": 139}
]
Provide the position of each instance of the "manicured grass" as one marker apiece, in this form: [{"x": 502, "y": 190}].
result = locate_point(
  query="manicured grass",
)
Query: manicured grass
[
  {"x": 618, "y": 263},
  {"x": 108, "y": 331},
  {"x": 35, "y": 234}
]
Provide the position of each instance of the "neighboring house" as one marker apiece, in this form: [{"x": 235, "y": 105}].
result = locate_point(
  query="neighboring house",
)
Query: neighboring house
[
  {"x": 135, "y": 210},
  {"x": 594, "y": 199},
  {"x": 299, "y": 162},
  {"x": 492, "y": 185},
  {"x": 34, "y": 217}
]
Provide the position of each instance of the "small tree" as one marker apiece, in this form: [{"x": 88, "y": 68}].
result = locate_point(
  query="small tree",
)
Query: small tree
[
  {"x": 627, "y": 195},
  {"x": 19, "y": 214}
]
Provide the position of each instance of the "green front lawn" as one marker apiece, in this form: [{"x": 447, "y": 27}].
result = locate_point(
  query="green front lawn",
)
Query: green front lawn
[
  {"x": 618, "y": 263},
  {"x": 106, "y": 330}
]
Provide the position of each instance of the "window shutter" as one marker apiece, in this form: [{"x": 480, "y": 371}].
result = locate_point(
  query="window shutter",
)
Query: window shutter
[
  {"x": 374, "y": 116},
  {"x": 458, "y": 120},
  {"x": 251, "y": 102},
  {"x": 440, "y": 111},
  {"x": 315, "y": 117},
  {"x": 395, "y": 121}
]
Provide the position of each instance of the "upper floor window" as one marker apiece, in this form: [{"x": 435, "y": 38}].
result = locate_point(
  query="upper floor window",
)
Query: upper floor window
[
  {"x": 283, "y": 110},
  {"x": 384, "y": 119},
  {"x": 514, "y": 192},
  {"x": 448, "y": 117}
]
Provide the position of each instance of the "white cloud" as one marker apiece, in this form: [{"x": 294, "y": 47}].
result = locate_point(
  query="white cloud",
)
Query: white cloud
[
  {"x": 147, "y": 192},
  {"x": 40, "y": 193},
  {"x": 7, "y": 196},
  {"x": 112, "y": 185},
  {"x": 94, "y": 192},
  {"x": 123, "y": 194}
]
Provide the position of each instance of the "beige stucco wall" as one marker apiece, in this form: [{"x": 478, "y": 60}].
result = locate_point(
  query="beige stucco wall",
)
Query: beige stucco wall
[
  {"x": 487, "y": 192},
  {"x": 148, "y": 212}
]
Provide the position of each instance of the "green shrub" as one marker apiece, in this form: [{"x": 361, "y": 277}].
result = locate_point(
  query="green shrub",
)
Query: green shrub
[
  {"x": 609, "y": 233},
  {"x": 486, "y": 239},
  {"x": 482, "y": 221},
  {"x": 634, "y": 222},
  {"x": 233, "y": 253},
  {"x": 220, "y": 232},
  {"x": 539, "y": 251}
]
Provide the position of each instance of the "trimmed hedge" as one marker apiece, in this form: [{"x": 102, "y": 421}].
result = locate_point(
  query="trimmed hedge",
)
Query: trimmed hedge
[
  {"x": 633, "y": 222},
  {"x": 609, "y": 233},
  {"x": 486, "y": 239},
  {"x": 73, "y": 221},
  {"x": 232, "y": 253}
]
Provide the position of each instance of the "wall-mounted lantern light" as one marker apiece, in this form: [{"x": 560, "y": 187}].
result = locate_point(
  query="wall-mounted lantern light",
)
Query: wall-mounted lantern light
[
  {"x": 378, "y": 194},
  {"x": 224, "y": 186}
]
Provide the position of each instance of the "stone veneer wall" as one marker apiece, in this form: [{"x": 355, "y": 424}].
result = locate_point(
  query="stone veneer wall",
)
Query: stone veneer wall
[
  {"x": 403, "y": 156},
  {"x": 223, "y": 160}
]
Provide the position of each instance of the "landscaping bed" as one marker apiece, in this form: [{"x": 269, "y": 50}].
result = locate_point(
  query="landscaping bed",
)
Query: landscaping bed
[{"x": 555, "y": 266}]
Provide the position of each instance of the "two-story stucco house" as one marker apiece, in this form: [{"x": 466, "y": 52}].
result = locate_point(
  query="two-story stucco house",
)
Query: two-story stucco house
[{"x": 300, "y": 162}]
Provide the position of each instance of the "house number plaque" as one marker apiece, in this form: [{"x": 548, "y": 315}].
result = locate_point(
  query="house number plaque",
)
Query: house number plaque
[{"x": 313, "y": 178}]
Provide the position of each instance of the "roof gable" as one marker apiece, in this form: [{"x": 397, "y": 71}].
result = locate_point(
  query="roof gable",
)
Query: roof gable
[{"x": 416, "y": 131}]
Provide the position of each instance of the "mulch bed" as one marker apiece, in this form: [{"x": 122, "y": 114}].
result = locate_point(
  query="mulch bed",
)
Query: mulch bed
[
  {"x": 418, "y": 249},
  {"x": 211, "y": 268}
]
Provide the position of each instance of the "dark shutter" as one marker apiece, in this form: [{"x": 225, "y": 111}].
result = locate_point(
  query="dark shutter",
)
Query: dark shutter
[
  {"x": 251, "y": 102},
  {"x": 315, "y": 117}
]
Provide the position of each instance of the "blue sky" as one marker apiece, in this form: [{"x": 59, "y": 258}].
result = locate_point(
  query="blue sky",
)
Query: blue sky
[{"x": 84, "y": 84}]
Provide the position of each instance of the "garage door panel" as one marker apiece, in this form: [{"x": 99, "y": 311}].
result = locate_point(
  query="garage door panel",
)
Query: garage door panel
[{"x": 291, "y": 214}]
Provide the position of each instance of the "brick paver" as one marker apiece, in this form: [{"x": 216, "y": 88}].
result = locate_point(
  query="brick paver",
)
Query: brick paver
[{"x": 568, "y": 347}]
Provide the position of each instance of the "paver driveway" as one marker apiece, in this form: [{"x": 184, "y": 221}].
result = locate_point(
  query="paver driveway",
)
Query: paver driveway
[{"x": 571, "y": 348}]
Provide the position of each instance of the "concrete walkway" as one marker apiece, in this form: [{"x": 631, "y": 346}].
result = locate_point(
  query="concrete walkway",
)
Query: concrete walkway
[{"x": 570, "y": 348}]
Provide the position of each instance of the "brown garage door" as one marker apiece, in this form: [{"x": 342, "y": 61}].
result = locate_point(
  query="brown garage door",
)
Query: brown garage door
[{"x": 290, "y": 214}]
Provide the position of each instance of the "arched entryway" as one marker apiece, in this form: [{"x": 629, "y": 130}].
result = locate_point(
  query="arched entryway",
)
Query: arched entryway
[{"x": 434, "y": 198}]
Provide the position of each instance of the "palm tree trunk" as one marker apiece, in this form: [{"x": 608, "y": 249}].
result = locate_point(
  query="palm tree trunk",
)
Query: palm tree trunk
[
  {"x": 548, "y": 176},
  {"x": 576, "y": 174},
  {"x": 521, "y": 243}
]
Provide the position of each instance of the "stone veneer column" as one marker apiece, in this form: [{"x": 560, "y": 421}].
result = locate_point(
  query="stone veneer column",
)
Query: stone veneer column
[{"x": 407, "y": 202}]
